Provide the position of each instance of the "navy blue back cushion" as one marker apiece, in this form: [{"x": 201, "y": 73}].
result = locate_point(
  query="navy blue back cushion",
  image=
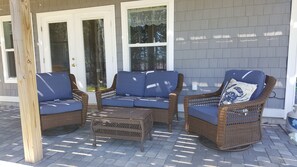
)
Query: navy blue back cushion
[
  {"x": 248, "y": 76},
  {"x": 52, "y": 86},
  {"x": 160, "y": 83},
  {"x": 130, "y": 83}
]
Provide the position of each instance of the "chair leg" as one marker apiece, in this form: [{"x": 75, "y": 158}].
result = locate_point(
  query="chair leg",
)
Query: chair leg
[
  {"x": 170, "y": 127},
  {"x": 187, "y": 127}
]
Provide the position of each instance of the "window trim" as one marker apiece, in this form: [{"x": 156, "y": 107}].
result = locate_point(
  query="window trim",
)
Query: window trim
[
  {"x": 125, "y": 6},
  {"x": 7, "y": 79}
]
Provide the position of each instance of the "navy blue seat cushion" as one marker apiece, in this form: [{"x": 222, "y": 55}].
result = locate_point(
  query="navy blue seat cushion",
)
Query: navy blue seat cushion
[
  {"x": 119, "y": 101},
  {"x": 160, "y": 83},
  {"x": 206, "y": 113},
  {"x": 52, "y": 86},
  {"x": 59, "y": 106},
  {"x": 248, "y": 76},
  {"x": 152, "y": 102},
  {"x": 130, "y": 83}
]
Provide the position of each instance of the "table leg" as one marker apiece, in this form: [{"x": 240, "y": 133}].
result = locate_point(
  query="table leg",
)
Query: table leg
[
  {"x": 94, "y": 138},
  {"x": 93, "y": 132},
  {"x": 141, "y": 146},
  {"x": 150, "y": 135}
]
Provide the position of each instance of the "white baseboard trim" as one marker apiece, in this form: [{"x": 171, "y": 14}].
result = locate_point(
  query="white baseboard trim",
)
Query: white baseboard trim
[
  {"x": 274, "y": 113},
  {"x": 9, "y": 98},
  {"x": 268, "y": 112},
  {"x": 180, "y": 108}
]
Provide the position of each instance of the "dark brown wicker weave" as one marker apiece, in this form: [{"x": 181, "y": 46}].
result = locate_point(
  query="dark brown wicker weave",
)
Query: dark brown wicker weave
[
  {"x": 68, "y": 118},
  {"x": 123, "y": 123},
  {"x": 235, "y": 128},
  {"x": 159, "y": 115}
]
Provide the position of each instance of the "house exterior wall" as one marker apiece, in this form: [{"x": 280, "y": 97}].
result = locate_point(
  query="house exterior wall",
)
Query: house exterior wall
[
  {"x": 211, "y": 36},
  {"x": 214, "y": 36}
]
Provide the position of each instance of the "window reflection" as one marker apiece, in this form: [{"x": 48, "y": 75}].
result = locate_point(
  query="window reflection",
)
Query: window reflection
[
  {"x": 148, "y": 58},
  {"x": 147, "y": 38},
  {"x": 59, "y": 47},
  {"x": 94, "y": 47}
]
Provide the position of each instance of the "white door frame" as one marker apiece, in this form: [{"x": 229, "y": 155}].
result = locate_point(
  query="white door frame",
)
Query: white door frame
[
  {"x": 292, "y": 62},
  {"x": 44, "y": 42},
  {"x": 75, "y": 40}
]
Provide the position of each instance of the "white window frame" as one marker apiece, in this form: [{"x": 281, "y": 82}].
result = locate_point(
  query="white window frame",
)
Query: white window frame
[
  {"x": 7, "y": 79},
  {"x": 125, "y": 6}
]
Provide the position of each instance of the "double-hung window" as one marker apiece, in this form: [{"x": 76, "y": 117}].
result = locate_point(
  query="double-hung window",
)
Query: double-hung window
[
  {"x": 147, "y": 30},
  {"x": 7, "y": 50}
]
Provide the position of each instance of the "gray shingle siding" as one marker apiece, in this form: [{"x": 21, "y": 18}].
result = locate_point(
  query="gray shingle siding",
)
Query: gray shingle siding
[
  {"x": 214, "y": 36},
  {"x": 211, "y": 36}
]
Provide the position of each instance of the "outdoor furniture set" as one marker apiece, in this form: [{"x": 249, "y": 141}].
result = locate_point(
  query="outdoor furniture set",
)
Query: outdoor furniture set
[{"x": 229, "y": 117}]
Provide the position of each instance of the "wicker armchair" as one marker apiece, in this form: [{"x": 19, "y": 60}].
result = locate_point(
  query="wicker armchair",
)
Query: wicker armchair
[
  {"x": 233, "y": 129},
  {"x": 55, "y": 109}
]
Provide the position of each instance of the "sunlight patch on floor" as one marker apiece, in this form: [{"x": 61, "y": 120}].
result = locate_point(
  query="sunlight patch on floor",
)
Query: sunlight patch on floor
[
  {"x": 11, "y": 164},
  {"x": 54, "y": 150},
  {"x": 65, "y": 165},
  {"x": 64, "y": 146},
  {"x": 67, "y": 141},
  {"x": 182, "y": 162},
  {"x": 180, "y": 146},
  {"x": 83, "y": 154}
]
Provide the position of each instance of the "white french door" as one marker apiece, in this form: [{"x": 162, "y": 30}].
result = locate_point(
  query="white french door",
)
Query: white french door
[{"x": 81, "y": 42}]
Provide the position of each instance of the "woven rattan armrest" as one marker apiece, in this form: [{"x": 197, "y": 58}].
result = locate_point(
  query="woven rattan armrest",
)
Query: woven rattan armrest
[
  {"x": 100, "y": 93},
  {"x": 103, "y": 93},
  {"x": 242, "y": 105},
  {"x": 105, "y": 90},
  {"x": 83, "y": 97},
  {"x": 173, "y": 98}
]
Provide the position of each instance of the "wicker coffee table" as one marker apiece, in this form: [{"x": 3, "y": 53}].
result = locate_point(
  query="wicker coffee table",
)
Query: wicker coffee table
[{"x": 123, "y": 123}]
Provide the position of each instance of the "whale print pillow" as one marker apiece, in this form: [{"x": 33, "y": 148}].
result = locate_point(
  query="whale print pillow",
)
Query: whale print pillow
[{"x": 236, "y": 92}]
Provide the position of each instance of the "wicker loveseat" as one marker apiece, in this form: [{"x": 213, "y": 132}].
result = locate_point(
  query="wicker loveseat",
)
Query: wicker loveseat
[
  {"x": 155, "y": 90},
  {"x": 60, "y": 101},
  {"x": 229, "y": 126}
]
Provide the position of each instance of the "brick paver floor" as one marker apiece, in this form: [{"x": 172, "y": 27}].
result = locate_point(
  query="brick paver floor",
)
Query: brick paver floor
[{"x": 166, "y": 149}]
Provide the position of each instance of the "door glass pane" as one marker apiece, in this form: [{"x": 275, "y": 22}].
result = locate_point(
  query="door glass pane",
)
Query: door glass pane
[
  {"x": 59, "y": 46},
  {"x": 94, "y": 54},
  {"x": 147, "y": 25},
  {"x": 11, "y": 65},
  {"x": 8, "y": 35},
  {"x": 148, "y": 58}
]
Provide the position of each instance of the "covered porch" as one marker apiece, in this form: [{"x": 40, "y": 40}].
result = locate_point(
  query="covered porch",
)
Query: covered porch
[{"x": 166, "y": 149}]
